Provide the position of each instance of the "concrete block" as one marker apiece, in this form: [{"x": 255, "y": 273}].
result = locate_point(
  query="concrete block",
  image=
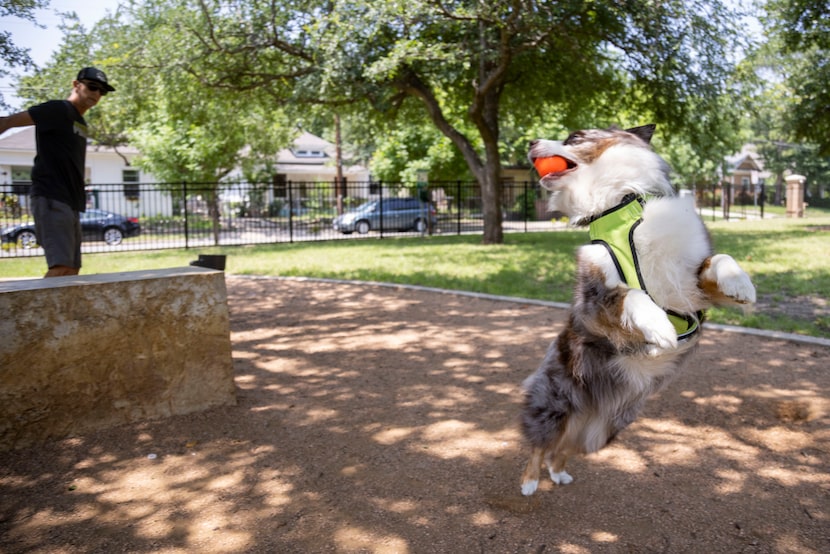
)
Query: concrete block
[{"x": 93, "y": 351}]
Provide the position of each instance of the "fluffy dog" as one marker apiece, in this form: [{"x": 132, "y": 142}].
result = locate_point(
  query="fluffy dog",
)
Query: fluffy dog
[{"x": 642, "y": 286}]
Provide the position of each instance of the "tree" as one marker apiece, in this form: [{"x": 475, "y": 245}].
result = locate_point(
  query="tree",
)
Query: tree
[
  {"x": 469, "y": 64},
  {"x": 484, "y": 75},
  {"x": 185, "y": 132},
  {"x": 11, "y": 54},
  {"x": 801, "y": 30},
  {"x": 790, "y": 114},
  {"x": 79, "y": 48}
]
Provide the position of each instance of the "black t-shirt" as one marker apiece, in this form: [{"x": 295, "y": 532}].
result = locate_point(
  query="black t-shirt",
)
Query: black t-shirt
[{"x": 61, "y": 134}]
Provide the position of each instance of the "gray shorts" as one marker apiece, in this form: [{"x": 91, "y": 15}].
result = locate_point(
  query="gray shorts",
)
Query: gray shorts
[{"x": 58, "y": 230}]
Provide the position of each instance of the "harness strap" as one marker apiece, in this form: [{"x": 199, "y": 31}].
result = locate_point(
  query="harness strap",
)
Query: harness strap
[{"x": 614, "y": 229}]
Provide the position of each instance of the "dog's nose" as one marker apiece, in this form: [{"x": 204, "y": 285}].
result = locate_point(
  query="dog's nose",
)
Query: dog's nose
[{"x": 533, "y": 143}]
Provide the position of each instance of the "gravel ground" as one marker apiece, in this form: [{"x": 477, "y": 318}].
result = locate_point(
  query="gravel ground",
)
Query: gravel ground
[{"x": 380, "y": 419}]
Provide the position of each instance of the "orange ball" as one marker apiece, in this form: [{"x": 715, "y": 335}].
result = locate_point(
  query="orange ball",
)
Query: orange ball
[{"x": 553, "y": 164}]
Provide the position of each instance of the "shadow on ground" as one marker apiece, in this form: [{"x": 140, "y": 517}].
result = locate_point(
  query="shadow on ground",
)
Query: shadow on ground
[{"x": 374, "y": 419}]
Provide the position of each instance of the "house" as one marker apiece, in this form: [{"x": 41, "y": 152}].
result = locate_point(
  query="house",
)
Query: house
[
  {"x": 113, "y": 183},
  {"x": 310, "y": 161},
  {"x": 746, "y": 175}
]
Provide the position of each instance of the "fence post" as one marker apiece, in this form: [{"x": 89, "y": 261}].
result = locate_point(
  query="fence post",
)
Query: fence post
[
  {"x": 714, "y": 204},
  {"x": 458, "y": 207},
  {"x": 726, "y": 198},
  {"x": 762, "y": 200},
  {"x": 186, "y": 216},
  {"x": 380, "y": 206},
  {"x": 290, "y": 213}
]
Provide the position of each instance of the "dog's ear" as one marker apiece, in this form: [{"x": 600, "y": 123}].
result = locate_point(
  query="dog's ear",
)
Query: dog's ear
[{"x": 645, "y": 132}]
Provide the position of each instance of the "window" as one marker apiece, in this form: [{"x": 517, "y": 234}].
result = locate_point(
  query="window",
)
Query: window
[
  {"x": 280, "y": 186},
  {"x": 309, "y": 153},
  {"x": 21, "y": 179},
  {"x": 130, "y": 178}
]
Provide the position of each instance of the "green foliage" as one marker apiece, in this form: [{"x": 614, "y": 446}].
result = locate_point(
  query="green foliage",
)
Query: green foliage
[
  {"x": 485, "y": 76},
  {"x": 800, "y": 29},
  {"x": 472, "y": 66},
  {"x": 10, "y": 54},
  {"x": 405, "y": 151}
]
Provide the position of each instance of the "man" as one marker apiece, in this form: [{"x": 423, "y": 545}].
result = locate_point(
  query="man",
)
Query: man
[{"x": 58, "y": 195}]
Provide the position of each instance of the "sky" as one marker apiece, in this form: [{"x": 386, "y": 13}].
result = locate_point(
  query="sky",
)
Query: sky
[{"x": 43, "y": 42}]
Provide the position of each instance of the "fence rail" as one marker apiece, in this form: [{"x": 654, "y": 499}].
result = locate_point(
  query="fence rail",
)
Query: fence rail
[{"x": 191, "y": 215}]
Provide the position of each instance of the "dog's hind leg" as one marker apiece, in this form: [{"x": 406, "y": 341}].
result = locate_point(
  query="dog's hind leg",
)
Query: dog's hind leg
[
  {"x": 556, "y": 468},
  {"x": 554, "y": 458}
]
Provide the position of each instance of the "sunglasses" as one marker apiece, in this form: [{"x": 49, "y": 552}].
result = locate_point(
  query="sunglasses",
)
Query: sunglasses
[{"x": 94, "y": 87}]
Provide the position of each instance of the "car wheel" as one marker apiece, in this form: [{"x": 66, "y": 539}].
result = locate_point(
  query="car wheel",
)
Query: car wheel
[
  {"x": 113, "y": 236},
  {"x": 420, "y": 225},
  {"x": 362, "y": 227},
  {"x": 26, "y": 239}
]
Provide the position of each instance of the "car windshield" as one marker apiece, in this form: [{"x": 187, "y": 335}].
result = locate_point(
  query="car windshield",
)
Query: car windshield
[{"x": 367, "y": 207}]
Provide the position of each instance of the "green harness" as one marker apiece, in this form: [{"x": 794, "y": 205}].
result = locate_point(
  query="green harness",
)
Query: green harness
[{"x": 614, "y": 229}]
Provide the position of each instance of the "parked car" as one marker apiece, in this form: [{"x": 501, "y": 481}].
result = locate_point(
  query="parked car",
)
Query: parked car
[
  {"x": 401, "y": 214},
  {"x": 95, "y": 225}
]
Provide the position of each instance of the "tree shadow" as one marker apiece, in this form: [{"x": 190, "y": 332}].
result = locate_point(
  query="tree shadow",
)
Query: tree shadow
[{"x": 377, "y": 419}]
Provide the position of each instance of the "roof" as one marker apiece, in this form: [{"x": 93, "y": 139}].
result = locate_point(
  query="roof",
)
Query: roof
[
  {"x": 23, "y": 139},
  {"x": 748, "y": 160},
  {"x": 306, "y": 142},
  {"x": 18, "y": 139}
]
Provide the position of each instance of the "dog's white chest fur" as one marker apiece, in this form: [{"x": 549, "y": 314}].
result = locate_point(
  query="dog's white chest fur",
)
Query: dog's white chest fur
[{"x": 671, "y": 244}]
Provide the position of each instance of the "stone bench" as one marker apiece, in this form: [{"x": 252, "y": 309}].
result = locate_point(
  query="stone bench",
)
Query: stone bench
[{"x": 92, "y": 351}]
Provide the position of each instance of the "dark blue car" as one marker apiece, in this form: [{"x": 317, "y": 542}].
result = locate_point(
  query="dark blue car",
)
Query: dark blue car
[{"x": 95, "y": 225}]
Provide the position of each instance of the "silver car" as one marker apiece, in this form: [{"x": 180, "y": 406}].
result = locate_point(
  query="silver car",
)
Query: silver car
[{"x": 398, "y": 214}]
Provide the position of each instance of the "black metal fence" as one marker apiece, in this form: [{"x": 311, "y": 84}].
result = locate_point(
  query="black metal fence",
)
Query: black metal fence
[{"x": 190, "y": 215}]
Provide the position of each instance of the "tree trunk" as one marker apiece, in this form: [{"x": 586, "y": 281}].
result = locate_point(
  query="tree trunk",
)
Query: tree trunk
[
  {"x": 213, "y": 211},
  {"x": 487, "y": 171},
  {"x": 491, "y": 201}
]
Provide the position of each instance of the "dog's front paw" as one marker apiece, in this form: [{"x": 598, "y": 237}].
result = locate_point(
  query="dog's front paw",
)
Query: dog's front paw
[
  {"x": 732, "y": 281},
  {"x": 642, "y": 314}
]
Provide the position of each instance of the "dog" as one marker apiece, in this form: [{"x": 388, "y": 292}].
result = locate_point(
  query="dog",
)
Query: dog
[{"x": 642, "y": 286}]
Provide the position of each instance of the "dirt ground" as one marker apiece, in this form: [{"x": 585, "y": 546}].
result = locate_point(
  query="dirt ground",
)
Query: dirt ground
[{"x": 379, "y": 419}]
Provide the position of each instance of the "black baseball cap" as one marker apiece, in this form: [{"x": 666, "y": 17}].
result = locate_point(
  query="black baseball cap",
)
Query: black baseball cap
[{"x": 95, "y": 74}]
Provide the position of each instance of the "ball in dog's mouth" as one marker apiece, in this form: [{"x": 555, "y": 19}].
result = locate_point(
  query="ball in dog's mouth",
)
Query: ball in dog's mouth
[{"x": 552, "y": 164}]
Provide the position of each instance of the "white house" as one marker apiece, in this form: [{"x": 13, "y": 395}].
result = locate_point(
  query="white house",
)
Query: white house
[
  {"x": 310, "y": 161},
  {"x": 114, "y": 184},
  {"x": 112, "y": 181}
]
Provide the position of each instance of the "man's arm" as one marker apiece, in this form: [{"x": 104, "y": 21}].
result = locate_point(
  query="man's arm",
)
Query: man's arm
[{"x": 20, "y": 119}]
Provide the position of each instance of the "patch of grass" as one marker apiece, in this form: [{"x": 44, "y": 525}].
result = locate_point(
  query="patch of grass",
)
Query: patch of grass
[{"x": 786, "y": 258}]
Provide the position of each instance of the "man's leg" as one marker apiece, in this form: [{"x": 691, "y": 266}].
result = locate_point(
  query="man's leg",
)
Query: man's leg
[
  {"x": 58, "y": 230},
  {"x": 61, "y": 271}
]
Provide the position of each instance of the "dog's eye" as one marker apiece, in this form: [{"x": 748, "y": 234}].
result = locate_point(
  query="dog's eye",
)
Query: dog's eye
[{"x": 573, "y": 138}]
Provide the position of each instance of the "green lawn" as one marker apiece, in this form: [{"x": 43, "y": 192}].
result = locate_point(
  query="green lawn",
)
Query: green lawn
[{"x": 789, "y": 260}]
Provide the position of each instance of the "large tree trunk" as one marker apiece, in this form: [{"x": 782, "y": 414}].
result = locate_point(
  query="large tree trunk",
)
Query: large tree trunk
[
  {"x": 491, "y": 201},
  {"x": 487, "y": 171}
]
